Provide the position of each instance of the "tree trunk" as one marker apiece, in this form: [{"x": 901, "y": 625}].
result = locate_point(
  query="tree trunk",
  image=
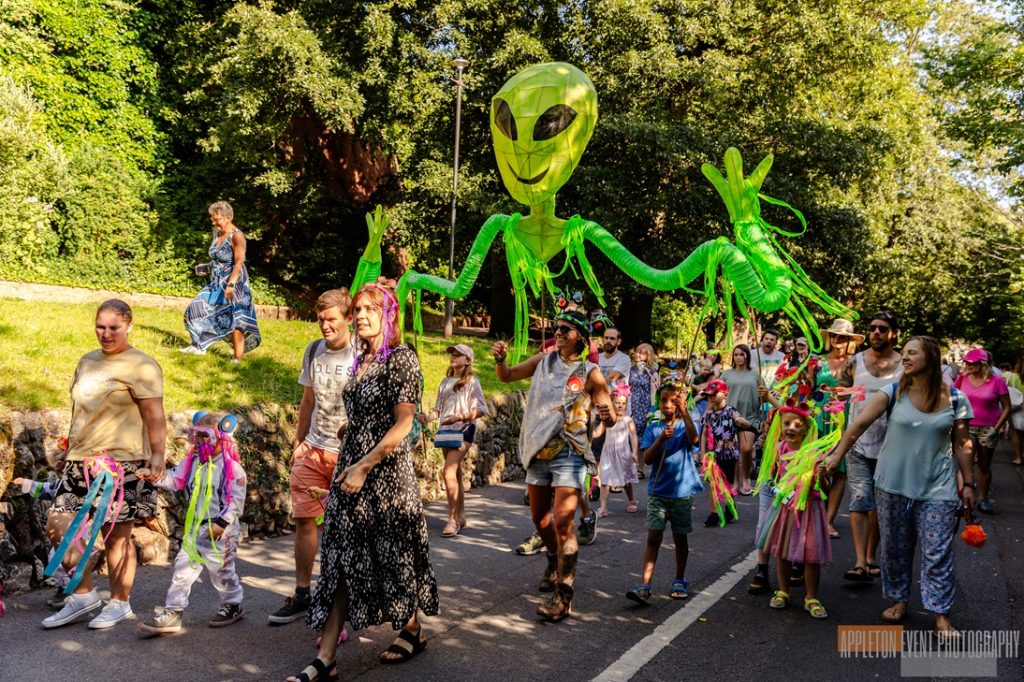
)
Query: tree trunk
[
  {"x": 503, "y": 303},
  {"x": 634, "y": 318}
]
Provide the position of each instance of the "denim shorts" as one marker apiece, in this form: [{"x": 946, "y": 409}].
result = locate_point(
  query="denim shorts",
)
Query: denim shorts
[
  {"x": 860, "y": 478},
  {"x": 566, "y": 470}
]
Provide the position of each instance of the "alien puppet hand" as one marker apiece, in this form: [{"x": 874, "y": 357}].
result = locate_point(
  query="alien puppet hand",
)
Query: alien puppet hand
[{"x": 376, "y": 225}]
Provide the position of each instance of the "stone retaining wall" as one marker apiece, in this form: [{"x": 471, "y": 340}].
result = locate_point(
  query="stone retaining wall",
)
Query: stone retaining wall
[{"x": 263, "y": 436}]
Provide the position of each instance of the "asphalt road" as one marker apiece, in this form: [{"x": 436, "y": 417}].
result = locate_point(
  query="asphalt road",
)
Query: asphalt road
[{"x": 488, "y": 629}]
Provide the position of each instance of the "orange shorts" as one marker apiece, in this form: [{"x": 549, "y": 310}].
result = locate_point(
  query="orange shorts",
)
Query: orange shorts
[{"x": 314, "y": 468}]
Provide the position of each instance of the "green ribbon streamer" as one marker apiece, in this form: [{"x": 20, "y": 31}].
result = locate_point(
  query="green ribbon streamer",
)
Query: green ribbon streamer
[{"x": 198, "y": 511}]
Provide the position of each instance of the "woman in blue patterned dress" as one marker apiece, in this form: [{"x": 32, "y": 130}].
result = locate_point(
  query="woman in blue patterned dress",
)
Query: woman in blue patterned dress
[
  {"x": 643, "y": 385},
  {"x": 224, "y": 307}
]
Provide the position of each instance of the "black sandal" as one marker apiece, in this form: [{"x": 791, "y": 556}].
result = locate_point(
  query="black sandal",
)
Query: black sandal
[
  {"x": 857, "y": 574},
  {"x": 874, "y": 571},
  {"x": 759, "y": 585},
  {"x": 323, "y": 671},
  {"x": 407, "y": 645}
]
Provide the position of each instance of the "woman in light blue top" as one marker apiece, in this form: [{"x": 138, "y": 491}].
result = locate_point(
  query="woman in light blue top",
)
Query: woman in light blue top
[{"x": 916, "y": 480}]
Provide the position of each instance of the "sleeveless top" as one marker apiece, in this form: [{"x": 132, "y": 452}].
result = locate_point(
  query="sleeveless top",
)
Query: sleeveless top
[
  {"x": 825, "y": 379},
  {"x": 557, "y": 414},
  {"x": 869, "y": 445}
]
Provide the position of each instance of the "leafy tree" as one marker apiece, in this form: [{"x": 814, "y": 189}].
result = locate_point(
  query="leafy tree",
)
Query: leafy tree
[{"x": 33, "y": 173}]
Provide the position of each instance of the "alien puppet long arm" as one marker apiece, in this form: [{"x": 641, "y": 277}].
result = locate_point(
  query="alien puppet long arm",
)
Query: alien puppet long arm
[
  {"x": 756, "y": 270},
  {"x": 418, "y": 282}
]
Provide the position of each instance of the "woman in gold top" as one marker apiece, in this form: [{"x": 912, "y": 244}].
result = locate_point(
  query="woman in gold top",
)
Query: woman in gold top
[{"x": 117, "y": 421}]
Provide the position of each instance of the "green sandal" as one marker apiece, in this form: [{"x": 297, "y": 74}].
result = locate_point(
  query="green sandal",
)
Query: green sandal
[
  {"x": 780, "y": 600},
  {"x": 815, "y": 608}
]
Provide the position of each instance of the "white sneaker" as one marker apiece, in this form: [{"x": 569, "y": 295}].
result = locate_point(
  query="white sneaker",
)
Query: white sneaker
[
  {"x": 74, "y": 606},
  {"x": 192, "y": 350},
  {"x": 113, "y": 613}
]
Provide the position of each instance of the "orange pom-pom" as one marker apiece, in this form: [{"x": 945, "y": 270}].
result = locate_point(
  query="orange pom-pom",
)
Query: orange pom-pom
[{"x": 974, "y": 535}]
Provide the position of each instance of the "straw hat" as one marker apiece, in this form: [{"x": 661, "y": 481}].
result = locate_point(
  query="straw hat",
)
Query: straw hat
[{"x": 842, "y": 327}]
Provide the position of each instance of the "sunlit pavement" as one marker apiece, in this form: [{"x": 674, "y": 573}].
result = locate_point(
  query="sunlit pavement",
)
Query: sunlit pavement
[{"x": 488, "y": 629}]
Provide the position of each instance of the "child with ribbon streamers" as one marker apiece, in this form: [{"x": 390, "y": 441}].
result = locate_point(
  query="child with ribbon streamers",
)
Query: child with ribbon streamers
[
  {"x": 619, "y": 457},
  {"x": 45, "y": 491},
  {"x": 796, "y": 528},
  {"x": 669, "y": 444},
  {"x": 719, "y": 449},
  {"x": 213, "y": 482}
]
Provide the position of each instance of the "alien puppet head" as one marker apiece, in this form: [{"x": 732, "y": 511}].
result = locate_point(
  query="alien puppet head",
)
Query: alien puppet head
[{"x": 541, "y": 122}]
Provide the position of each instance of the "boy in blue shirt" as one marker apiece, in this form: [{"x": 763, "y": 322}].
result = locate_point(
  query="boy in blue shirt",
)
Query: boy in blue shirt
[{"x": 668, "y": 446}]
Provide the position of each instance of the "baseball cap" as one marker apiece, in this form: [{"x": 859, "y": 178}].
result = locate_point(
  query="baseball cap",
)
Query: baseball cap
[
  {"x": 976, "y": 355},
  {"x": 461, "y": 349},
  {"x": 715, "y": 386}
]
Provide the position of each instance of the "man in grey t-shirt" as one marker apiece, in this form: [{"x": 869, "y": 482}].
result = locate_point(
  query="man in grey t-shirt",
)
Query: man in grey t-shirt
[
  {"x": 326, "y": 368},
  {"x": 614, "y": 363}
]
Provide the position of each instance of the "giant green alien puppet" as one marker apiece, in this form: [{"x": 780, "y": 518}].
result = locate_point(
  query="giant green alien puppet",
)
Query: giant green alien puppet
[{"x": 541, "y": 122}]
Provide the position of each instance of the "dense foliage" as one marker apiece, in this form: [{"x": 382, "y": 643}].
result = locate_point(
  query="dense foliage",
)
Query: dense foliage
[{"x": 891, "y": 127}]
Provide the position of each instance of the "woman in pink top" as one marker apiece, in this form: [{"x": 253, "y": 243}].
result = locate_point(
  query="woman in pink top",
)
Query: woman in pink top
[{"x": 990, "y": 400}]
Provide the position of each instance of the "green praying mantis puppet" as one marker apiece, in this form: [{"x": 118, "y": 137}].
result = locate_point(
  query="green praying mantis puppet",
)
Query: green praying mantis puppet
[{"x": 541, "y": 121}]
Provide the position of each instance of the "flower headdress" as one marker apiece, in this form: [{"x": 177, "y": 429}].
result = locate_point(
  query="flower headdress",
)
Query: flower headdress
[
  {"x": 674, "y": 379},
  {"x": 568, "y": 300},
  {"x": 621, "y": 391},
  {"x": 797, "y": 407},
  {"x": 600, "y": 321}
]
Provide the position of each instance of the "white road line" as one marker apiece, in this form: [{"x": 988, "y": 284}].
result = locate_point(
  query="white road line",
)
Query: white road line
[{"x": 630, "y": 663}]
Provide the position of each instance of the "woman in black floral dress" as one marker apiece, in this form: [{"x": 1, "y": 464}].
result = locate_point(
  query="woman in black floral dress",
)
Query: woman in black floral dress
[{"x": 374, "y": 556}]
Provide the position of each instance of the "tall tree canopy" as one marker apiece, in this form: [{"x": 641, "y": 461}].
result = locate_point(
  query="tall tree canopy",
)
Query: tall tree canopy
[{"x": 891, "y": 126}]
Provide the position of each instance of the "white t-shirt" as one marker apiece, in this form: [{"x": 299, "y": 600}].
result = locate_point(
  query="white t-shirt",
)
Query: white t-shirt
[
  {"x": 767, "y": 364},
  {"x": 326, "y": 371},
  {"x": 451, "y": 403},
  {"x": 618, "y": 362}
]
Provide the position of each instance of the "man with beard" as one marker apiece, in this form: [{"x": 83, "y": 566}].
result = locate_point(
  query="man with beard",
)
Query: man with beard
[
  {"x": 614, "y": 363},
  {"x": 875, "y": 368},
  {"x": 767, "y": 357}
]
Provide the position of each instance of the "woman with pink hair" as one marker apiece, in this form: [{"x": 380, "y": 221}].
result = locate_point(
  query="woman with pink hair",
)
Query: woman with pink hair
[{"x": 374, "y": 555}]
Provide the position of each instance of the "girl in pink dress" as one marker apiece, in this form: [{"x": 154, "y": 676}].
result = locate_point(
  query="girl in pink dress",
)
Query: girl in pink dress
[
  {"x": 619, "y": 456},
  {"x": 797, "y": 535}
]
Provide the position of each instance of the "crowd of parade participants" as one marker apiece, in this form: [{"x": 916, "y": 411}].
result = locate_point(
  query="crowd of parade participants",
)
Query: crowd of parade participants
[{"x": 906, "y": 434}]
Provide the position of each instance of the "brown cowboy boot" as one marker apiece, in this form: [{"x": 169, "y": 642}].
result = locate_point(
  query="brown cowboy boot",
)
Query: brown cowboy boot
[
  {"x": 560, "y": 603},
  {"x": 550, "y": 578}
]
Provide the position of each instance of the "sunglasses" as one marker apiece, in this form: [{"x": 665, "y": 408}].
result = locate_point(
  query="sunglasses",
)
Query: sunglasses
[
  {"x": 976, "y": 362},
  {"x": 878, "y": 327},
  {"x": 840, "y": 337},
  {"x": 563, "y": 329}
]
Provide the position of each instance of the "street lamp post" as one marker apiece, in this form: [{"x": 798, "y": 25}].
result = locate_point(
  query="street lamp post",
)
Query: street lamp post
[{"x": 449, "y": 304}]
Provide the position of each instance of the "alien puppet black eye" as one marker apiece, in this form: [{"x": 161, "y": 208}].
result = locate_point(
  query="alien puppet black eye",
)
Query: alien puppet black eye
[
  {"x": 504, "y": 119},
  {"x": 553, "y": 121}
]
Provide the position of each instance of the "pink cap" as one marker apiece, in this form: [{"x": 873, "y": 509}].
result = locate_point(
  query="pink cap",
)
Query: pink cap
[
  {"x": 976, "y": 355},
  {"x": 461, "y": 349}
]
